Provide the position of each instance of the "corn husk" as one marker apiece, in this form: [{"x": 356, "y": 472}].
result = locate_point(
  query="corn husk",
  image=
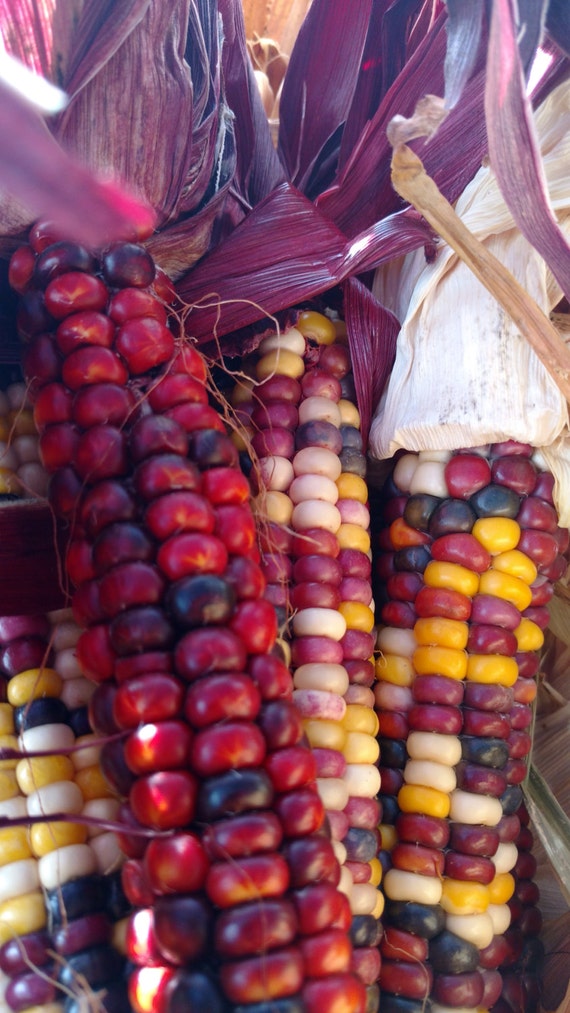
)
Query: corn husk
[{"x": 463, "y": 374}]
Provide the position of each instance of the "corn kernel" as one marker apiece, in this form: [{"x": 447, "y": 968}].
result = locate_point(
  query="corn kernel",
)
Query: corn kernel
[
  {"x": 395, "y": 669},
  {"x": 22, "y": 915},
  {"x": 400, "y": 885},
  {"x": 517, "y": 564},
  {"x": 435, "y": 660},
  {"x": 325, "y": 734},
  {"x": 492, "y": 669},
  {"x": 316, "y": 326},
  {"x": 46, "y": 837},
  {"x": 352, "y": 536},
  {"x": 464, "y": 897},
  {"x": 497, "y": 534},
  {"x": 443, "y": 632},
  {"x": 375, "y": 871},
  {"x": 415, "y": 798},
  {"x": 501, "y": 888},
  {"x": 9, "y": 787},
  {"x": 359, "y": 718},
  {"x": 6, "y": 719},
  {"x": 352, "y": 487},
  {"x": 388, "y": 836},
  {"x": 403, "y": 535},
  {"x": 39, "y": 771},
  {"x": 452, "y": 576},
  {"x": 280, "y": 362},
  {"x": 529, "y": 635},
  {"x": 502, "y": 585},
  {"x": 360, "y": 748},
  {"x": 358, "y": 616},
  {"x": 93, "y": 783},
  {"x": 33, "y": 684},
  {"x": 349, "y": 414},
  {"x": 14, "y": 845},
  {"x": 21, "y": 422}
]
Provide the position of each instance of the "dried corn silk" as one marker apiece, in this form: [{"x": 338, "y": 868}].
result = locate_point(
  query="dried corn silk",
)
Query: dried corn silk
[{"x": 463, "y": 375}]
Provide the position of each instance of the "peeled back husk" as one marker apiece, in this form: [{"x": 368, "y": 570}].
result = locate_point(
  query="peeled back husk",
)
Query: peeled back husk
[{"x": 464, "y": 376}]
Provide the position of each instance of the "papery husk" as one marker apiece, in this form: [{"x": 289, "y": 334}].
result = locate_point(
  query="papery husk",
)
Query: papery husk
[{"x": 463, "y": 374}]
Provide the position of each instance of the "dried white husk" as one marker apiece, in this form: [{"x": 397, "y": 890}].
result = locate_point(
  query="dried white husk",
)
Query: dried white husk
[{"x": 463, "y": 374}]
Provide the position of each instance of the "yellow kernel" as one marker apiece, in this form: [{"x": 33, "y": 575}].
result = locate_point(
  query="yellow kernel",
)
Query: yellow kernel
[
  {"x": 502, "y": 585},
  {"x": 33, "y": 684},
  {"x": 280, "y": 361},
  {"x": 529, "y": 635},
  {"x": 441, "y": 631},
  {"x": 492, "y": 669},
  {"x": 316, "y": 326},
  {"x": 359, "y": 718},
  {"x": 517, "y": 564},
  {"x": 46, "y": 837},
  {"x": 378, "y": 909},
  {"x": 358, "y": 616},
  {"x": 360, "y": 747},
  {"x": 325, "y": 734},
  {"x": 14, "y": 845},
  {"x": 9, "y": 742},
  {"x": 452, "y": 576},
  {"x": 501, "y": 888},
  {"x": 22, "y": 915},
  {"x": 388, "y": 836},
  {"x": 415, "y": 798},
  {"x": 435, "y": 660},
  {"x": 395, "y": 668},
  {"x": 352, "y": 487},
  {"x": 41, "y": 770},
  {"x": 352, "y": 536},
  {"x": 9, "y": 787},
  {"x": 277, "y": 506},
  {"x": 93, "y": 783},
  {"x": 464, "y": 897},
  {"x": 6, "y": 719},
  {"x": 375, "y": 871},
  {"x": 349, "y": 414},
  {"x": 497, "y": 534}
]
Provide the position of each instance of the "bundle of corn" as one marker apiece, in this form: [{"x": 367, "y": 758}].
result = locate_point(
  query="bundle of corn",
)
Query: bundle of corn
[
  {"x": 179, "y": 637},
  {"x": 476, "y": 546},
  {"x": 308, "y": 465}
]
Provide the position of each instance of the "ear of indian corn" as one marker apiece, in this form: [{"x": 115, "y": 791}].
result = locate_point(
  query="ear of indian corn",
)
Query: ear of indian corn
[
  {"x": 303, "y": 428},
  {"x": 70, "y": 956},
  {"x": 179, "y": 637},
  {"x": 470, "y": 548}
]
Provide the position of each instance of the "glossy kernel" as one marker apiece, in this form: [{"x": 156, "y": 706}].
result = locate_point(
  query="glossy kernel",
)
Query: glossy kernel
[
  {"x": 497, "y": 534},
  {"x": 33, "y": 684},
  {"x": 438, "y": 630},
  {"x": 503, "y": 585},
  {"x": 462, "y": 897},
  {"x": 492, "y": 669},
  {"x": 446, "y": 661},
  {"x": 414, "y": 798},
  {"x": 357, "y": 615},
  {"x": 517, "y": 564},
  {"x": 452, "y": 576}
]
